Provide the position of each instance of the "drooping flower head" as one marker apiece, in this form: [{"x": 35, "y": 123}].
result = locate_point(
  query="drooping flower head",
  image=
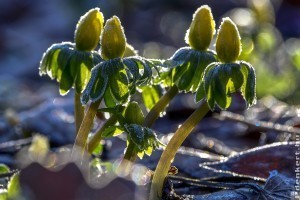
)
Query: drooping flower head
[
  {"x": 189, "y": 63},
  {"x": 116, "y": 77},
  {"x": 71, "y": 63},
  {"x": 221, "y": 79}
]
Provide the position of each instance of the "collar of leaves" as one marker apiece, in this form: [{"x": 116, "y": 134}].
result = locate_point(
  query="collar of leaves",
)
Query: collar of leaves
[
  {"x": 69, "y": 66},
  {"x": 115, "y": 79},
  {"x": 220, "y": 80},
  {"x": 187, "y": 66},
  {"x": 144, "y": 138}
]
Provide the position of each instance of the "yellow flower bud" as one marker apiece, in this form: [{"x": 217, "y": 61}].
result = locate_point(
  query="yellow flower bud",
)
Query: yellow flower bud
[
  {"x": 228, "y": 44},
  {"x": 113, "y": 40},
  {"x": 88, "y": 30},
  {"x": 201, "y": 30},
  {"x": 130, "y": 51}
]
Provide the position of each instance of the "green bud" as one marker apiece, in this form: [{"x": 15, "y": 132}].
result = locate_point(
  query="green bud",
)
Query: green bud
[
  {"x": 134, "y": 114},
  {"x": 228, "y": 44},
  {"x": 201, "y": 30},
  {"x": 130, "y": 51},
  {"x": 88, "y": 30},
  {"x": 113, "y": 40}
]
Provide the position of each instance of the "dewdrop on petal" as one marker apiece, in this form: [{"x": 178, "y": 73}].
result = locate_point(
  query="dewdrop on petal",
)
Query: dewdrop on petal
[
  {"x": 113, "y": 40},
  {"x": 228, "y": 44},
  {"x": 88, "y": 30},
  {"x": 201, "y": 30}
]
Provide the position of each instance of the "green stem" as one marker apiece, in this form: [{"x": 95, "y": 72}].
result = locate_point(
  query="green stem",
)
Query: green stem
[
  {"x": 129, "y": 157},
  {"x": 86, "y": 126},
  {"x": 171, "y": 149},
  {"x": 92, "y": 144},
  {"x": 160, "y": 106},
  {"x": 78, "y": 111},
  {"x": 130, "y": 154}
]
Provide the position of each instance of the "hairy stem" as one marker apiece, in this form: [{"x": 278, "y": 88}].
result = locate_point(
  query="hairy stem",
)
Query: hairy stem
[
  {"x": 78, "y": 111},
  {"x": 86, "y": 126},
  {"x": 171, "y": 149},
  {"x": 92, "y": 144},
  {"x": 160, "y": 106}
]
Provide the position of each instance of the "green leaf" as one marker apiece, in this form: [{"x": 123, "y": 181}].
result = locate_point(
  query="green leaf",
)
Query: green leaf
[
  {"x": 140, "y": 154},
  {"x": 202, "y": 61},
  {"x": 66, "y": 81},
  {"x": 118, "y": 83},
  {"x": 133, "y": 69},
  {"x": 13, "y": 187},
  {"x": 179, "y": 71},
  {"x": 54, "y": 59},
  {"x": 208, "y": 78},
  {"x": 97, "y": 84},
  {"x": 249, "y": 86},
  {"x": 63, "y": 61},
  {"x": 45, "y": 63},
  {"x": 186, "y": 78},
  {"x": 235, "y": 77},
  {"x": 4, "y": 169},
  {"x": 188, "y": 75},
  {"x": 200, "y": 94},
  {"x": 144, "y": 138},
  {"x": 53, "y": 65},
  {"x": 219, "y": 91},
  {"x": 151, "y": 95},
  {"x": 83, "y": 73},
  {"x": 181, "y": 54},
  {"x": 146, "y": 76},
  {"x": 112, "y": 131},
  {"x": 136, "y": 134},
  {"x": 109, "y": 100},
  {"x": 68, "y": 66}
]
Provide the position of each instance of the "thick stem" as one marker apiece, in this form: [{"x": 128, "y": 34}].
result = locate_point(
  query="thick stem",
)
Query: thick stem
[
  {"x": 92, "y": 144},
  {"x": 160, "y": 106},
  {"x": 130, "y": 153},
  {"x": 78, "y": 111},
  {"x": 86, "y": 127},
  {"x": 129, "y": 157},
  {"x": 169, "y": 153}
]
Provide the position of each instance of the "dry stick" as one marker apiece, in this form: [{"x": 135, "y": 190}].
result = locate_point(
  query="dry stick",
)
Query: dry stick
[
  {"x": 215, "y": 184},
  {"x": 78, "y": 111},
  {"x": 85, "y": 128},
  {"x": 171, "y": 149},
  {"x": 260, "y": 125}
]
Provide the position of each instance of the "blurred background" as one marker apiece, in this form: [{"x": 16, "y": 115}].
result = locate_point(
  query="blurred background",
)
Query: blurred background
[{"x": 270, "y": 32}]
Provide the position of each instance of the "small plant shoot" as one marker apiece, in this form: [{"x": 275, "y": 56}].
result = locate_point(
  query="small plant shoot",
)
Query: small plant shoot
[{"x": 108, "y": 80}]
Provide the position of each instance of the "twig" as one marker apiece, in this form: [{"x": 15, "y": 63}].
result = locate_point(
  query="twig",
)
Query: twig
[
  {"x": 15, "y": 143},
  {"x": 260, "y": 125},
  {"x": 212, "y": 184}
]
